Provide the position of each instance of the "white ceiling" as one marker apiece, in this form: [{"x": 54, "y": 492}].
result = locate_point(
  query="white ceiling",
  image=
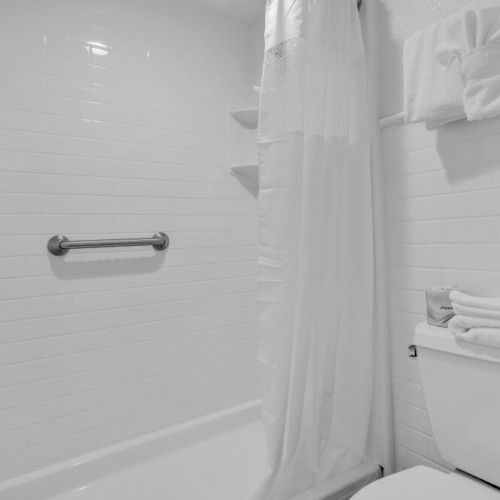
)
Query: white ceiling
[{"x": 247, "y": 9}]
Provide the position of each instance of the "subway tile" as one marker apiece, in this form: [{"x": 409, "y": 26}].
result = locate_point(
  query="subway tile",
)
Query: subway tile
[
  {"x": 105, "y": 345},
  {"x": 443, "y": 225}
]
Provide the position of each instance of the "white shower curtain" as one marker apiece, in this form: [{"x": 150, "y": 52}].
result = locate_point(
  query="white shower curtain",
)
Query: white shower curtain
[{"x": 316, "y": 264}]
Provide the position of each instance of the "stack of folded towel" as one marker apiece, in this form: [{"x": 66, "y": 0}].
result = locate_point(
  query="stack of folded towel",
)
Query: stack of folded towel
[
  {"x": 433, "y": 94},
  {"x": 477, "y": 319},
  {"x": 452, "y": 67}
]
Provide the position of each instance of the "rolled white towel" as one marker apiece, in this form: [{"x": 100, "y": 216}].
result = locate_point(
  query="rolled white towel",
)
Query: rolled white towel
[
  {"x": 475, "y": 312},
  {"x": 482, "y": 336},
  {"x": 464, "y": 299},
  {"x": 460, "y": 324},
  {"x": 432, "y": 93},
  {"x": 479, "y": 60}
]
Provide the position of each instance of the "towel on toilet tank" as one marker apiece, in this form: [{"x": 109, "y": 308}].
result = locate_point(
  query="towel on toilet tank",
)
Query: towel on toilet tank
[
  {"x": 475, "y": 312},
  {"x": 477, "y": 319},
  {"x": 482, "y": 336},
  {"x": 460, "y": 324},
  {"x": 465, "y": 299}
]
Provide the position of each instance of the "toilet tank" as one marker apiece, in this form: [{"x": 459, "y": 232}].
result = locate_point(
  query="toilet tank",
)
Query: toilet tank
[{"x": 462, "y": 392}]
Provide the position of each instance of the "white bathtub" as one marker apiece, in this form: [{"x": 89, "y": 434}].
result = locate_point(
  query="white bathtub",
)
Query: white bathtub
[{"x": 219, "y": 457}]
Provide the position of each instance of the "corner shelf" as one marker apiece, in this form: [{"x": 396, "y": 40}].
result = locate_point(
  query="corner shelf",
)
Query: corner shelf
[
  {"x": 243, "y": 153},
  {"x": 248, "y": 176},
  {"x": 246, "y": 117},
  {"x": 245, "y": 168}
]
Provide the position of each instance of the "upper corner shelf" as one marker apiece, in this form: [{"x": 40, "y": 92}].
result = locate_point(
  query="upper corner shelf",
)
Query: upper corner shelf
[{"x": 247, "y": 117}]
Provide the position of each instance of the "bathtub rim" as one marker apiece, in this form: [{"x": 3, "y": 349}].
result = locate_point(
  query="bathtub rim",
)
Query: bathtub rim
[
  {"x": 86, "y": 469},
  {"x": 82, "y": 470}
]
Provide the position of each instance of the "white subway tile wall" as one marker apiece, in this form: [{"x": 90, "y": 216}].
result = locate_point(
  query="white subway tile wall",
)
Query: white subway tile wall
[
  {"x": 443, "y": 208},
  {"x": 113, "y": 119}
]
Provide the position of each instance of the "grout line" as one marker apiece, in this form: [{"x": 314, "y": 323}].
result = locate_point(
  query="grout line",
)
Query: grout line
[
  {"x": 163, "y": 391},
  {"x": 141, "y": 323}
]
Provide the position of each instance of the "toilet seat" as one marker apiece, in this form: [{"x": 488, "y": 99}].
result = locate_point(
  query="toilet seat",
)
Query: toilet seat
[{"x": 424, "y": 483}]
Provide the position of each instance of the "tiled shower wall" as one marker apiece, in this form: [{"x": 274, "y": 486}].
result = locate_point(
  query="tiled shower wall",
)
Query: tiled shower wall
[
  {"x": 443, "y": 209},
  {"x": 100, "y": 346},
  {"x": 443, "y": 194}
]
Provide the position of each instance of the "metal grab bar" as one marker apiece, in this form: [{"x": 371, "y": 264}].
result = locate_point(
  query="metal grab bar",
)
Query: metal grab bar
[{"x": 61, "y": 245}]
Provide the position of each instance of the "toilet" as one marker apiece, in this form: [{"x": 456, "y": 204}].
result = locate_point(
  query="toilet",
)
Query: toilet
[{"x": 461, "y": 384}]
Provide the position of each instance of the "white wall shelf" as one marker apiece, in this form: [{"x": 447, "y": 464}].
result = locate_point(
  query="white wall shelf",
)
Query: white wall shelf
[
  {"x": 242, "y": 154},
  {"x": 248, "y": 176},
  {"x": 246, "y": 169},
  {"x": 247, "y": 117}
]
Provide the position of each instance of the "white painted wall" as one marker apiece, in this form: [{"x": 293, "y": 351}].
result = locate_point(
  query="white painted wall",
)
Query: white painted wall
[
  {"x": 257, "y": 48},
  {"x": 443, "y": 217},
  {"x": 101, "y": 346},
  {"x": 245, "y": 9}
]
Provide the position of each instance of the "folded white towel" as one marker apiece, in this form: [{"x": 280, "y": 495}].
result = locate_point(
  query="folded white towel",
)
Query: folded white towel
[
  {"x": 464, "y": 299},
  {"x": 461, "y": 324},
  {"x": 432, "y": 92},
  {"x": 479, "y": 59},
  {"x": 483, "y": 336},
  {"x": 475, "y": 312},
  {"x": 477, "y": 319}
]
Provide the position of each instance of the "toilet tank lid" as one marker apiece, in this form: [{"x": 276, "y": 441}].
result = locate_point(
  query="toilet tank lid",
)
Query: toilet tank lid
[
  {"x": 423, "y": 482},
  {"x": 441, "y": 339}
]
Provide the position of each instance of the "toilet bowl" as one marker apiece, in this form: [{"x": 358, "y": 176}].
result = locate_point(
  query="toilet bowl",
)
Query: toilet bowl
[
  {"x": 424, "y": 483},
  {"x": 460, "y": 382}
]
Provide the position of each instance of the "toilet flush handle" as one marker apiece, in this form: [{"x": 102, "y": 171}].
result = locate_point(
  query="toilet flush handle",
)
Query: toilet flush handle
[{"x": 412, "y": 351}]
